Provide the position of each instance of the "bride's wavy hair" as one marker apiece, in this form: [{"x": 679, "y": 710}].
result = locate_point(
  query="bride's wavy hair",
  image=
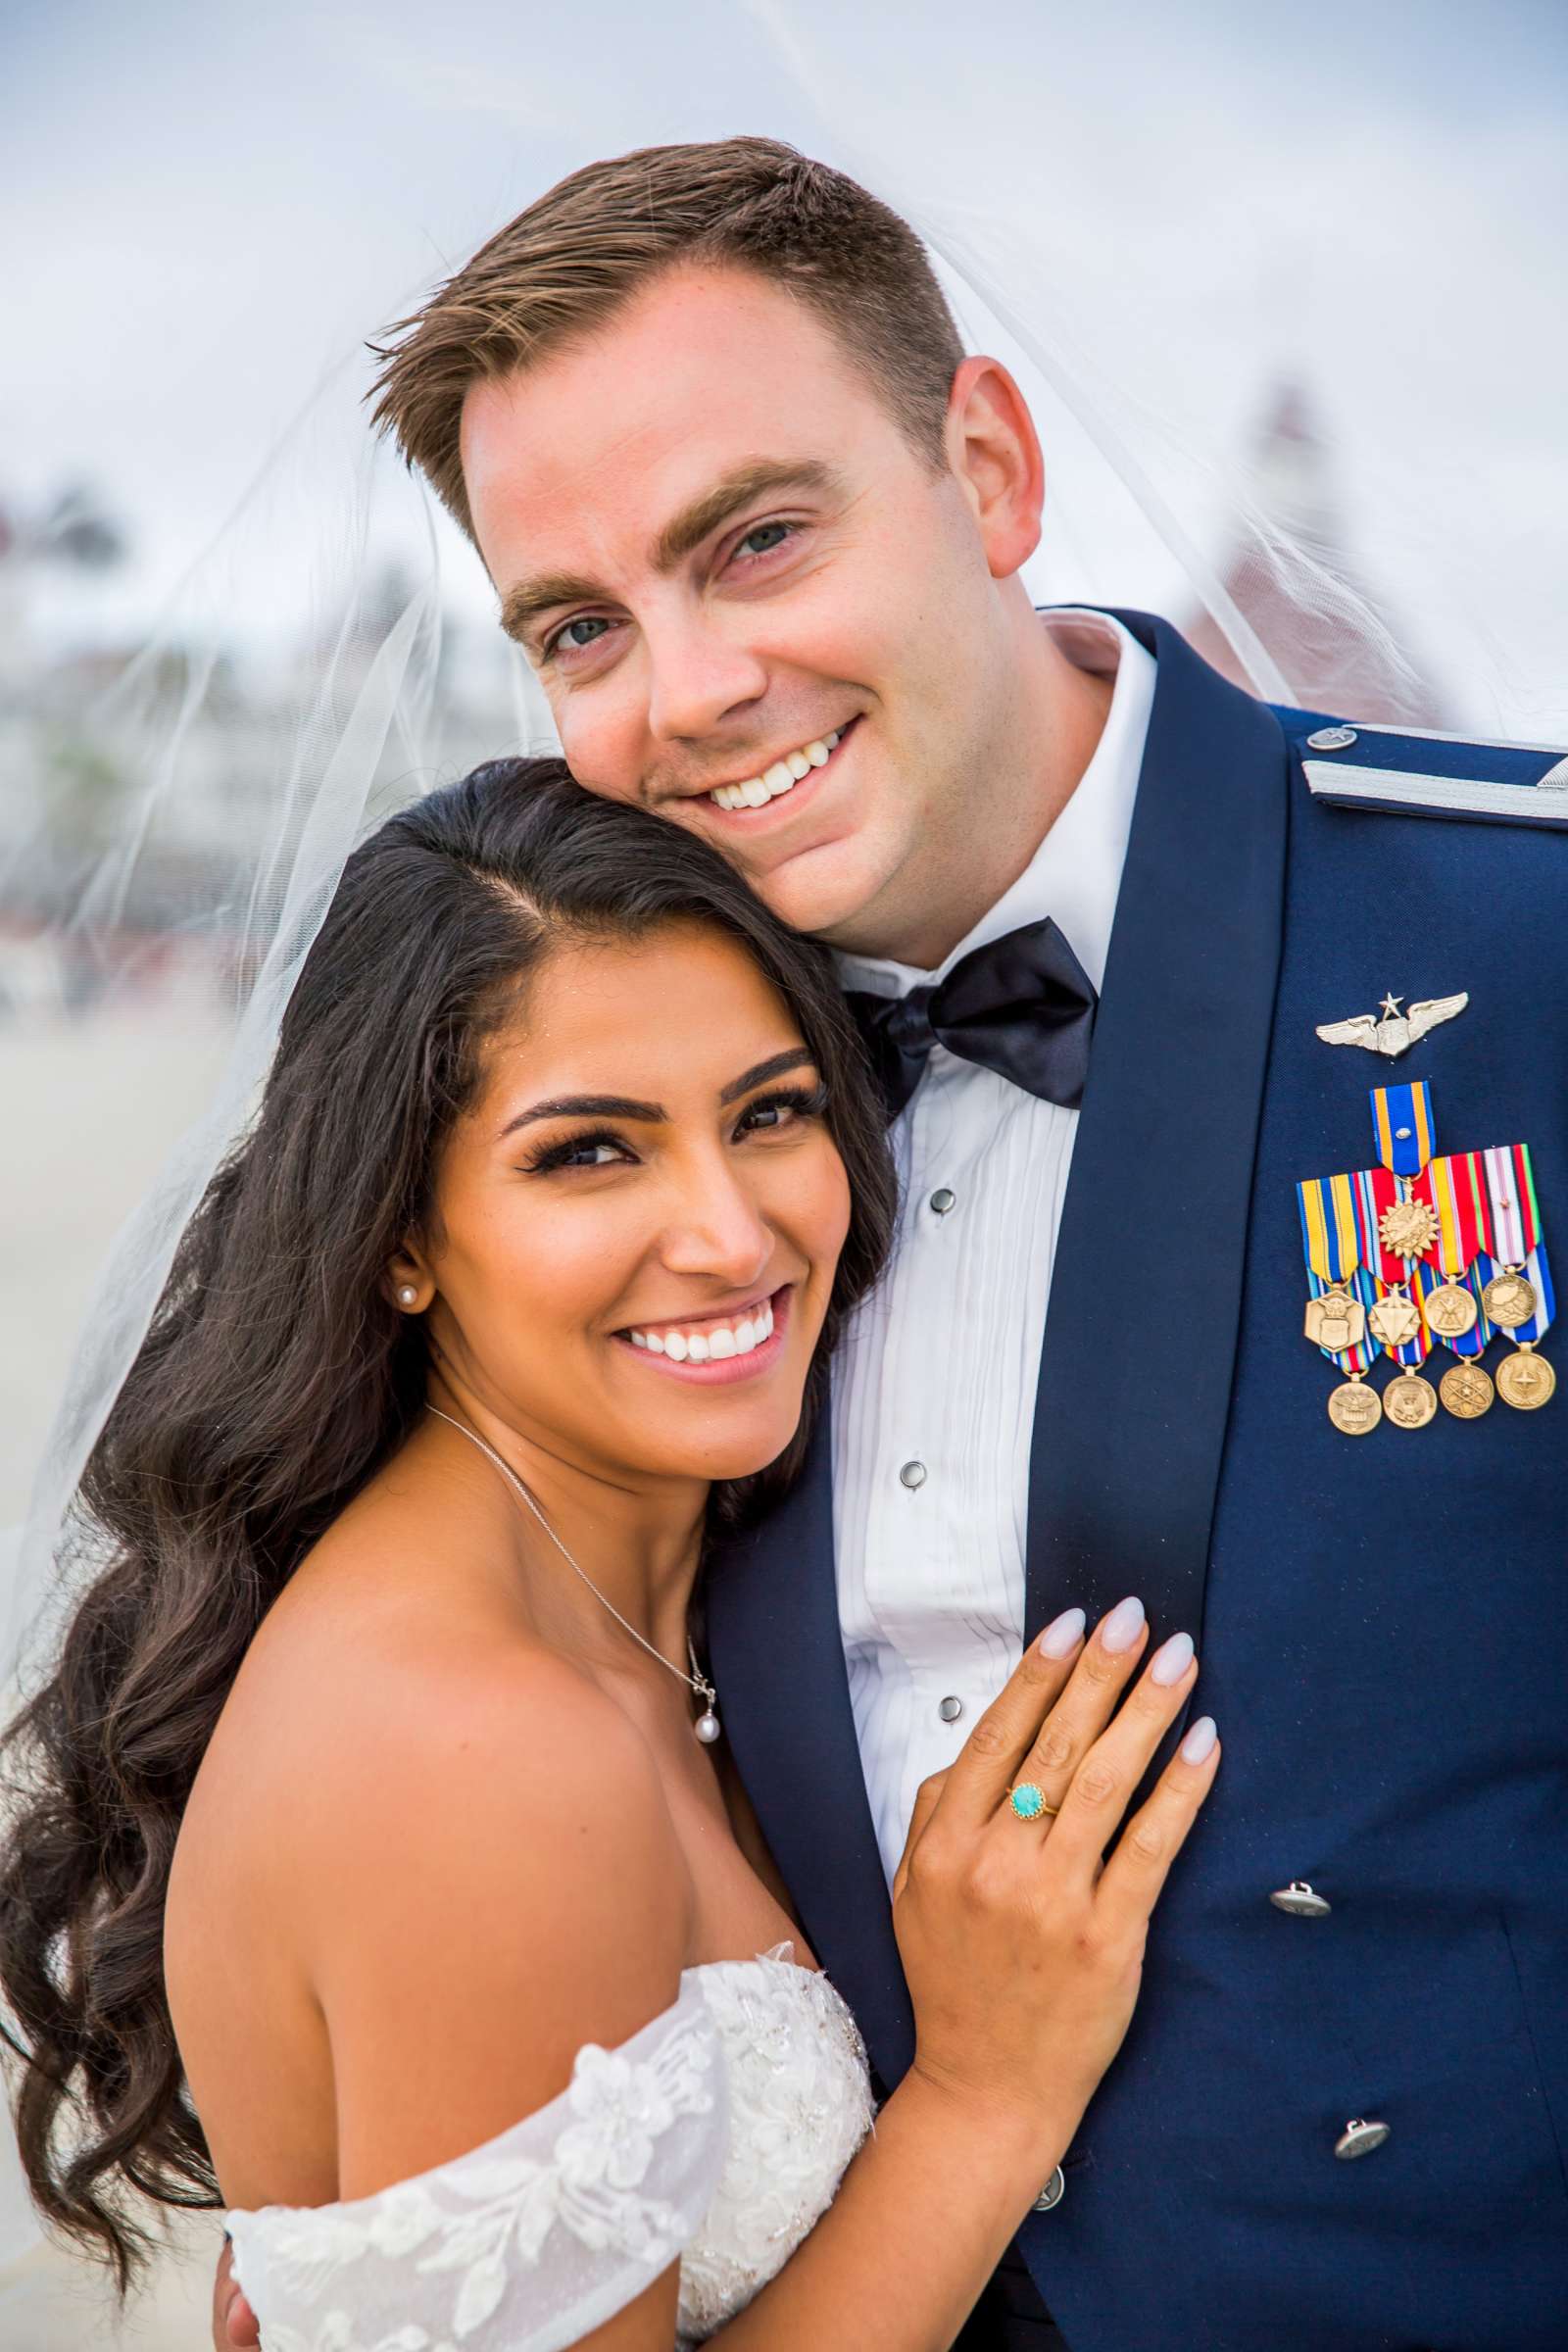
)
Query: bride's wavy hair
[{"x": 276, "y": 1376}]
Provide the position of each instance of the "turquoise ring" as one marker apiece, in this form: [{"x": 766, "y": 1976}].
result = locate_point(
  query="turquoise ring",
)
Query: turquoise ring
[{"x": 1028, "y": 1801}]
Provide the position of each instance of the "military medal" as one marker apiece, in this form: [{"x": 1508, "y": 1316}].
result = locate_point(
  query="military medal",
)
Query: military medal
[
  {"x": 1395, "y": 1320},
  {"x": 1337, "y": 1320},
  {"x": 1424, "y": 1251},
  {"x": 1452, "y": 1310},
  {"x": 1517, "y": 1294},
  {"x": 1354, "y": 1408},
  {"x": 1458, "y": 1187},
  {"x": 1399, "y": 1228},
  {"x": 1339, "y": 1286},
  {"x": 1466, "y": 1391},
  {"x": 1526, "y": 1380},
  {"x": 1508, "y": 1298}
]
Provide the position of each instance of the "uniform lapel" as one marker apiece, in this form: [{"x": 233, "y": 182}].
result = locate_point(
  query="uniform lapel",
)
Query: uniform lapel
[
  {"x": 1145, "y": 1293},
  {"x": 777, "y": 1656}
]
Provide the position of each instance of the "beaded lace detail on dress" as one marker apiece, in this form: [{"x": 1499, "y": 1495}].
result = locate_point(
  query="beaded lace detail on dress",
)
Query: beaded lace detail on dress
[{"x": 717, "y": 2134}]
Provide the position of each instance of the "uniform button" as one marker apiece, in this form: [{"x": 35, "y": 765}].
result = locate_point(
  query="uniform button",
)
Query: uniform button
[
  {"x": 913, "y": 1475},
  {"x": 942, "y": 1200},
  {"x": 1359, "y": 2138},
  {"x": 1331, "y": 739},
  {"x": 951, "y": 1710},
  {"x": 1300, "y": 1900},
  {"x": 1051, "y": 2194}
]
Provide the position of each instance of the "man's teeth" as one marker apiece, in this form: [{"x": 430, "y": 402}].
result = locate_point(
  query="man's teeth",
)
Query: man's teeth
[
  {"x": 782, "y": 776},
  {"x": 714, "y": 1342}
]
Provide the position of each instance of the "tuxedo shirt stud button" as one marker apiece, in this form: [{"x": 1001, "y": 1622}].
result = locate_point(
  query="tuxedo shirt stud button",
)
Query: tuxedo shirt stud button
[
  {"x": 1331, "y": 739},
  {"x": 942, "y": 1200},
  {"x": 1051, "y": 2195},
  {"x": 951, "y": 1710},
  {"x": 913, "y": 1475},
  {"x": 1300, "y": 1900},
  {"x": 1359, "y": 2138}
]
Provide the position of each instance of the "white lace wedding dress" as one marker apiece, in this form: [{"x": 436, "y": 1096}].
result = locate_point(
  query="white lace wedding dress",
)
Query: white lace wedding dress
[{"x": 719, "y": 2134}]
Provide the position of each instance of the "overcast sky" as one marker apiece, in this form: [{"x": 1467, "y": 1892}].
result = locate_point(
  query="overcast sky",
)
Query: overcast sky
[{"x": 207, "y": 208}]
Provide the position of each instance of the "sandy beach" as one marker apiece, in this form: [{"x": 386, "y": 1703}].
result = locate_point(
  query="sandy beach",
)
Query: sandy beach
[{"x": 91, "y": 1108}]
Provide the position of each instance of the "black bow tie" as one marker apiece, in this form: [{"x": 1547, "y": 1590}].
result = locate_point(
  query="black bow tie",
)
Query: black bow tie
[{"x": 1023, "y": 1007}]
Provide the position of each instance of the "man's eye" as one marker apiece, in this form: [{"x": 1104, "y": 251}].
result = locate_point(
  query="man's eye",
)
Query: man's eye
[
  {"x": 773, "y": 534},
  {"x": 568, "y": 635}
]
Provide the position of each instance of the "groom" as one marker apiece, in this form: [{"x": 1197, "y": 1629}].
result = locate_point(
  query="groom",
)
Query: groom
[{"x": 759, "y": 523}]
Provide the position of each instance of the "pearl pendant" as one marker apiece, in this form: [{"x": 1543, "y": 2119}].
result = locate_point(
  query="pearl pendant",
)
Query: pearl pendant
[{"x": 707, "y": 1727}]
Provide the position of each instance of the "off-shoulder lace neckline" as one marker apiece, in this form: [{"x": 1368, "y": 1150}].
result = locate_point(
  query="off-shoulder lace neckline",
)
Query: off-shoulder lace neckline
[{"x": 773, "y": 1957}]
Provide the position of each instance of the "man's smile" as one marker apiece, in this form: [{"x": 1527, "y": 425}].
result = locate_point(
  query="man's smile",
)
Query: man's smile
[{"x": 792, "y": 779}]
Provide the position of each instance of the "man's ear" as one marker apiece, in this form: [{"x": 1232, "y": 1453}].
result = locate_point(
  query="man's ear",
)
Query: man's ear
[{"x": 993, "y": 450}]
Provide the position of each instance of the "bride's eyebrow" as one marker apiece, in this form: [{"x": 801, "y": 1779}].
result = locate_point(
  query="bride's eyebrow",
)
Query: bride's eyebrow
[
  {"x": 622, "y": 1107},
  {"x": 759, "y": 477}
]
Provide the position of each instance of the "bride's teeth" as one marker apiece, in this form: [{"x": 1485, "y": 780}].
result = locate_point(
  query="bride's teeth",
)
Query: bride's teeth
[
  {"x": 675, "y": 1348},
  {"x": 696, "y": 1347},
  {"x": 818, "y": 753},
  {"x": 720, "y": 1343},
  {"x": 654, "y": 1343},
  {"x": 745, "y": 1338},
  {"x": 637, "y": 1339}
]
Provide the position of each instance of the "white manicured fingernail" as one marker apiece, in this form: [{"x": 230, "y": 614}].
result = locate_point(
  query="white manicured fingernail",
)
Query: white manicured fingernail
[
  {"x": 1199, "y": 1740},
  {"x": 1122, "y": 1626},
  {"x": 1063, "y": 1634},
  {"x": 1172, "y": 1659}
]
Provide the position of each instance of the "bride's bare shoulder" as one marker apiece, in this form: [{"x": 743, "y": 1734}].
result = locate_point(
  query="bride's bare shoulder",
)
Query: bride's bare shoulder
[{"x": 449, "y": 1824}]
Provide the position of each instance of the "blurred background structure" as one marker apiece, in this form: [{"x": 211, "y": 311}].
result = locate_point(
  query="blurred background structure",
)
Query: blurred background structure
[{"x": 1296, "y": 274}]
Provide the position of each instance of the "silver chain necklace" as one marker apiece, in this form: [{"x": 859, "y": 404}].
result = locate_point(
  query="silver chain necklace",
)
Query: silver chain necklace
[{"x": 707, "y": 1726}]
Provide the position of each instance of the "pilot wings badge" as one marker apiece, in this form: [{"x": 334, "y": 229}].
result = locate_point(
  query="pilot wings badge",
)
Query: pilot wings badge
[{"x": 1396, "y": 1032}]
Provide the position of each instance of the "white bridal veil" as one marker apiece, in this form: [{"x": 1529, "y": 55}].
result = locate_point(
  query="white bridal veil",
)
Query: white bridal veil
[{"x": 1115, "y": 210}]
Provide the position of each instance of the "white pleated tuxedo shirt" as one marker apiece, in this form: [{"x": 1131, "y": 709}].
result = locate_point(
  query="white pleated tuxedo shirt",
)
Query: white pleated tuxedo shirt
[{"x": 934, "y": 1384}]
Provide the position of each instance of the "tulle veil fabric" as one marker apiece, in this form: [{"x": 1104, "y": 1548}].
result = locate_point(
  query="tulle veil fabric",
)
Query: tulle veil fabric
[{"x": 360, "y": 722}]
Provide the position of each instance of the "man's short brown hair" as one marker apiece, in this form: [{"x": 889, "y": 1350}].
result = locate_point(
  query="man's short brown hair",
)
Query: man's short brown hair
[{"x": 563, "y": 266}]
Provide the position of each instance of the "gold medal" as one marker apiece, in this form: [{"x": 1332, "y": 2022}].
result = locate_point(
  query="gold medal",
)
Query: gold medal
[
  {"x": 1467, "y": 1392},
  {"x": 1526, "y": 1380},
  {"x": 1408, "y": 1229},
  {"x": 1335, "y": 1321},
  {"x": 1410, "y": 1401},
  {"x": 1355, "y": 1408},
  {"x": 1451, "y": 1312},
  {"x": 1509, "y": 1300},
  {"x": 1395, "y": 1321}
]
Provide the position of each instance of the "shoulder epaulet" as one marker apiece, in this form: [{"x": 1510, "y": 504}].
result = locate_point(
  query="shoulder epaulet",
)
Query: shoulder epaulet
[{"x": 1406, "y": 771}]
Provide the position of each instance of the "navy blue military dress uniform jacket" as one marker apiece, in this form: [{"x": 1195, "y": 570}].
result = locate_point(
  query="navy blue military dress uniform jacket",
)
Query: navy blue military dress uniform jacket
[{"x": 1382, "y": 1621}]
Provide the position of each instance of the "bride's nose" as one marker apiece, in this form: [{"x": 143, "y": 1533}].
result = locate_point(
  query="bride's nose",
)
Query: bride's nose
[{"x": 716, "y": 1228}]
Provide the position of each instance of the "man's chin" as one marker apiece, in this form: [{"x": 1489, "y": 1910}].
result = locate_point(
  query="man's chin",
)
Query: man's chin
[{"x": 825, "y": 890}]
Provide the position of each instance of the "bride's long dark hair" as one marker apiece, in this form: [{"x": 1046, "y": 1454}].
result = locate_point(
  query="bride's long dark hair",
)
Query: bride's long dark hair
[{"x": 275, "y": 1379}]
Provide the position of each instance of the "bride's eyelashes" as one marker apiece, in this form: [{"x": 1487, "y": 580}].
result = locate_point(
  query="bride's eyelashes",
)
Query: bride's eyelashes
[{"x": 772, "y": 1113}]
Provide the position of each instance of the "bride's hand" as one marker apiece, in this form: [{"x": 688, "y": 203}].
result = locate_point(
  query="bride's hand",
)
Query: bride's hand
[{"x": 1022, "y": 1947}]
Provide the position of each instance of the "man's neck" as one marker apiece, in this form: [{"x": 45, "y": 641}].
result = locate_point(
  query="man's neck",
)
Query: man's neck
[{"x": 1055, "y": 728}]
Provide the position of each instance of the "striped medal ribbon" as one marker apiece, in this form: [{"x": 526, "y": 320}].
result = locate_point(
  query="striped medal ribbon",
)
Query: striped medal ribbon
[
  {"x": 1399, "y": 1230},
  {"x": 1340, "y": 1288},
  {"x": 1516, "y": 1289}
]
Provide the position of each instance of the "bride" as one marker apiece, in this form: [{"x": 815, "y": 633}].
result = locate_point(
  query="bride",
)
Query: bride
[{"x": 382, "y": 1876}]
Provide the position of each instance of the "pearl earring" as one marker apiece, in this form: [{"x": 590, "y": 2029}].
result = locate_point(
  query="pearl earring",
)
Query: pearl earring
[{"x": 408, "y": 1295}]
